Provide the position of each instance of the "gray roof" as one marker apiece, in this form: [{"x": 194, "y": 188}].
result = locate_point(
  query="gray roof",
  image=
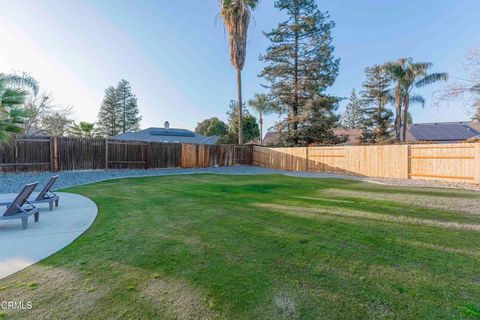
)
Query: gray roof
[
  {"x": 443, "y": 131},
  {"x": 167, "y": 135}
]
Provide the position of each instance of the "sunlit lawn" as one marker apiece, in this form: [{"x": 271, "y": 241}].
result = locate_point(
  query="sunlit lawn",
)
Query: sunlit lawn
[{"x": 261, "y": 247}]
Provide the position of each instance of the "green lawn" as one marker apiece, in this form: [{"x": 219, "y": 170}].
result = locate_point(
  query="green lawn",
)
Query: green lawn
[{"x": 262, "y": 247}]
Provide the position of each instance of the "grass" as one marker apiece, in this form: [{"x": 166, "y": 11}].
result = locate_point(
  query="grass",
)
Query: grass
[{"x": 262, "y": 247}]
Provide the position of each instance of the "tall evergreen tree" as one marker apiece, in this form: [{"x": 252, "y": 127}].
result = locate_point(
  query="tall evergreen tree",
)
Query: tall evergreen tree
[
  {"x": 318, "y": 120},
  {"x": 300, "y": 65},
  {"x": 376, "y": 95},
  {"x": 129, "y": 119},
  {"x": 109, "y": 113},
  {"x": 353, "y": 117}
]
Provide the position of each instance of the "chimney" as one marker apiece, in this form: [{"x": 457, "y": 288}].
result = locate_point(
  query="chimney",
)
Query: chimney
[{"x": 166, "y": 125}]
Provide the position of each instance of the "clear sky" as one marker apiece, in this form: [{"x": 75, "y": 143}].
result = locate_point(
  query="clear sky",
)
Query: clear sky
[{"x": 175, "y": 53}]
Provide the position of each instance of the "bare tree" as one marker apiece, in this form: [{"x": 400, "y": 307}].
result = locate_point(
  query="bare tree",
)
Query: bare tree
[
  {"x": 58, "y": 122},
  {"x": 37, "y": 106},
  {"x": 466, "y": 89}
]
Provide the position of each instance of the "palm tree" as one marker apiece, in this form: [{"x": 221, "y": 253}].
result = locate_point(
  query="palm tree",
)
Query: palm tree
[
  {"x": 407, "y": 76},
  {"x": 13, "y": 94},
  {"x": 396, "y": 71},
  {"x": 84, "y": 129},
  {"x": 263, "y": 107},
  {"x": 236, "y": 16}
]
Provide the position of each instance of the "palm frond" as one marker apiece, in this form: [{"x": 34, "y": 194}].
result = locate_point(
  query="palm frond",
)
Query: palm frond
[
  {"x": 261, "y": 104},
  {"x": 417, "y": 99},
  {"x": 236, "y": 16},
  {"x": 23, "y": 80},
  {"x": 13, "y": 97},
  {"x": 431, "y": 78},
  {"x": 420, "y": 67}
]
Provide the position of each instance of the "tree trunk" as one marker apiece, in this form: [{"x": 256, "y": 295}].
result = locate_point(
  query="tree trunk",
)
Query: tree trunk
[
  {"x": 260, "y": 121},
  {"x": 124, "y": 116},
  {"x": 406, "y": 104},
  {"x": 295, "y": 89},
  {"x": 240, "y": 105},
  {"x": 398, "y": 114}
]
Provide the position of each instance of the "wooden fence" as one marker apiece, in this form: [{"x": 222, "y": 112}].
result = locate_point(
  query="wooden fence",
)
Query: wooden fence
[
  {"x": 458, "y": 162},
  {"x": 63, "y": 153}
]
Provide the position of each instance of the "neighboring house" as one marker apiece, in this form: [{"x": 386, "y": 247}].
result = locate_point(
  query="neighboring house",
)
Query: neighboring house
[
  {"x": 166, "y": 134},
  {"x": 353, "y": 136},
  {"x": 443, "y": 132},
  {"x": 270, "y": 138}
]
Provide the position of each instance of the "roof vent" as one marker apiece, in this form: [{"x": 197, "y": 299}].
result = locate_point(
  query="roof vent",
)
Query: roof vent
[{"x": 166, "y": 125}]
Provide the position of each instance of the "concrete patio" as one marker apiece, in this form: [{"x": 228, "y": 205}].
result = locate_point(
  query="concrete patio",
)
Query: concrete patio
[{"x": 55, "y": 230}]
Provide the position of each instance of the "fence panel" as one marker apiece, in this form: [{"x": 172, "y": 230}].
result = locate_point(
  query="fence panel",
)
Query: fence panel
[
  {"x": 80, "y": 153},
  {"x": 127, "y": 155},
  {"x": 326, "y": 159},
  {"x": 383, "y": 161},
  {"x": 26, "y": 154},
  {"x": 449, "y": 162},
  {"x": 202, "y": 156},
  {"x": 292, "y": 159},
  {"x": 71, "y": 153},
  {"x": 164, "y": 155},
  {"x": 455, "y": 162}
]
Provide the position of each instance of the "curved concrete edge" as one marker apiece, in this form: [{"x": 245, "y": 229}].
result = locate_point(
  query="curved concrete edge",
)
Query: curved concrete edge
[{"x": 55, "y": 230}]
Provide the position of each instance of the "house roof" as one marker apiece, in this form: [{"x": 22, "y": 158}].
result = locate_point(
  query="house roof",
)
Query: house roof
[
  {"x": 167, "y": 135},
  {"x": 353, "y": 135},
  {"x": 443, "y": 131},
  {"x": 270, "y": 138}
]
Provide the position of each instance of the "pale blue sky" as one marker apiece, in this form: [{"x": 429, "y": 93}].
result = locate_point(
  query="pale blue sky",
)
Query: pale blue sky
[{"x": 175, "y": 53}]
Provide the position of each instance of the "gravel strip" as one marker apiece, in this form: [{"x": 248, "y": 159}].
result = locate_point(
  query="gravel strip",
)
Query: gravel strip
[{"x": 12, "y": 182}]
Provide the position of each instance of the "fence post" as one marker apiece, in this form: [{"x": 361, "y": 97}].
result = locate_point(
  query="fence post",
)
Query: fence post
[
  {"x": 15, "y": 150},
  {"x": 409, "y": 161},
  {"x": 53, "y": 154},
  {"x": 147, "y": 155},
  {"x": 476, "y": 160},
  {"x": 306, "y": 158},
  {"x": 106, "y": 153}
]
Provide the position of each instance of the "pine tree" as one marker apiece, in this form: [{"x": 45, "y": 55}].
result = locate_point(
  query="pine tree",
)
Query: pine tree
[
  {"x": 376, "y": 95},
  {"x": 129, "y": 119},
  {"x": 353, "y": 117},
  {"x": 317, "y": 122},
  {"x": 300, "y": 66},
  {"x": 109, "y": 113}
]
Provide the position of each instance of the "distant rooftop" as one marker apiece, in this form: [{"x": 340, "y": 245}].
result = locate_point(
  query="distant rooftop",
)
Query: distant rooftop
[
  {"x": 167, "y": 134},
  {"x": 443, "y": 131}
]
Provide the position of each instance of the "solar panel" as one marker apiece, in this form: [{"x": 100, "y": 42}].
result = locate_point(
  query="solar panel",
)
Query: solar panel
[
  {"x": 442, "y": 131},
  {"x": 172, "y": 133}
]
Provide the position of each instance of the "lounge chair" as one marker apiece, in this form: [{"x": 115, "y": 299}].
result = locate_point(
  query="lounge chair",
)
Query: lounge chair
[
  {"x": 20, "y": 208},
  {"x": 46, "y": 195}
]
